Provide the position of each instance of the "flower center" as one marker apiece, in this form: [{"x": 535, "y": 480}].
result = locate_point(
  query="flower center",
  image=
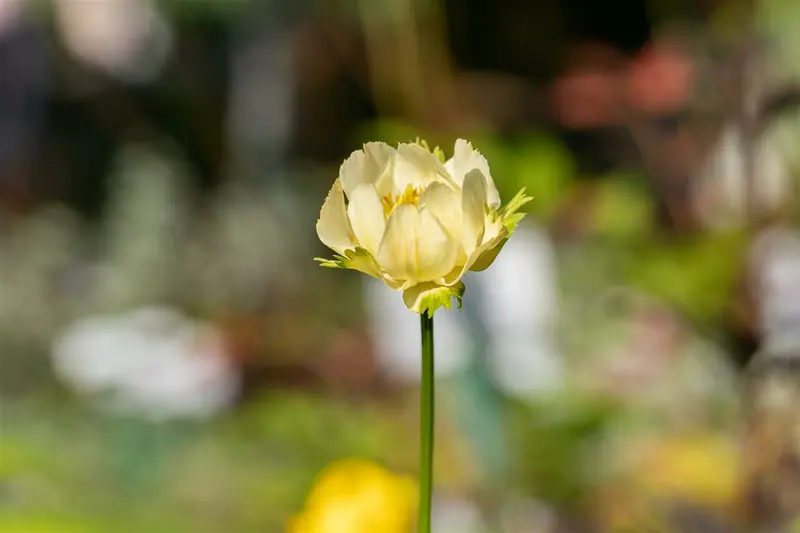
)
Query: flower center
[{"x": 410, "y": 196}]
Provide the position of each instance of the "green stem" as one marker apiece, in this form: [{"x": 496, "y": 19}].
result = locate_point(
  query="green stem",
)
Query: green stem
[{"x": 426, "y": 426}]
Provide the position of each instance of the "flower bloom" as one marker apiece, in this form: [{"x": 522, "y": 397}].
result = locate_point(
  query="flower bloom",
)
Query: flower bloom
[
  {"x": 358, "y": 496},
  {"x": 153, "y": 362},
  {"x": 415, "y": 221}
]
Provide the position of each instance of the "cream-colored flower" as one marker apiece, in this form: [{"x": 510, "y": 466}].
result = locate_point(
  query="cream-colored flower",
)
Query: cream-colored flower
[{"x": 415, "y": 221}]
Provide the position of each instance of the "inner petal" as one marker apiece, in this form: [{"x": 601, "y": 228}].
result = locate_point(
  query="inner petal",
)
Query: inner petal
[
  {"x": 416, "y": 247},
  {"x": 445, "y": 204},
  {"x": 417, "y": 167}
]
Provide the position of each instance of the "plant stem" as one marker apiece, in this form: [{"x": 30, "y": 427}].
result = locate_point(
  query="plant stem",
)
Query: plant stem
[{"x": 426, "y": 426}]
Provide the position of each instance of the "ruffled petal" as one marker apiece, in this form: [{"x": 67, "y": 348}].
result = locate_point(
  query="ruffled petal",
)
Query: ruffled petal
[
  {"x": 368, "y": 165},
  {"x": 466, "y": 158},
  {"x": 419, "y": 168}
]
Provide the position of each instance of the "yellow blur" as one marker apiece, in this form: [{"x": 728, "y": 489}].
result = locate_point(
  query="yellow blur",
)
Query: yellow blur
[{"x": 358, "y": 496}]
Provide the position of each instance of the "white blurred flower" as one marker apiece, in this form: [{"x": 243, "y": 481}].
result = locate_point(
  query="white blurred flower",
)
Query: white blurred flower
[
  {"x": 520, "y": 308},
  {"x": 396, "y": 335},
  {"x": 153, "y": 362},
  {"x": 722, "y": 191},
  {"x": 775, "y": 260},
  {"x": 129, "y": 39},
  {"x": 518, "y": 515},
  {"x": 10, "y": 12},
  {"x": 456, "y": 514}
]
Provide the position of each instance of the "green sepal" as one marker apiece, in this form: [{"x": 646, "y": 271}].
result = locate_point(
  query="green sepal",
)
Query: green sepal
[
  {"x": 509, "y": 218},
  {"x": 423, "y": 143},
  {"x": 358, "y": 259},
  {"x": 439, "y": 153},
  {"x": 428, "y": 297},
  {"x": 510, "y": 215}
]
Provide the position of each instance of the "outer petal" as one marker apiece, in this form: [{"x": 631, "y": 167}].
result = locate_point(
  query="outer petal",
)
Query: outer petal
[
  {"x": 487, "y": 253},
  {"x": 415, "y": 246},
  {"x": 417, "y": 167},
  {"x": 333, "y": 228},
  {"x": 366, "y": 165},
  {"x": 365, "y": 212},
  {"x": 474, "y": 230},
  {"x": 473, "y": 204},
  {"x": 466, "y": 158}
]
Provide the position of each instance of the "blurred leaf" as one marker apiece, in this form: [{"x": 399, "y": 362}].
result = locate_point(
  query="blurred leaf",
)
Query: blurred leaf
[
  {"x": 19, "y": 457},
  {"x": 623, "y": 209},
  {"x": 557, "y": 442},
  {"x": 696, "y": 276},
  {"x": 546, "y": 169},
  {"x": 30, "y": 523}
]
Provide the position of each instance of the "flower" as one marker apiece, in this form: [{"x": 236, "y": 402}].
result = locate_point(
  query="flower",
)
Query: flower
[
  {"x": 357, "y": 496},
  {"x": 415, "y": 221},
  {"x": 151, "y": 362},
  {"x": 128, "y": 39}
]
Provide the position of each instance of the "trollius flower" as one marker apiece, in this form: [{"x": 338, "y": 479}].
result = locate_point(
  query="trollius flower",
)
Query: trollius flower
[{"x": 419, "y": 223}]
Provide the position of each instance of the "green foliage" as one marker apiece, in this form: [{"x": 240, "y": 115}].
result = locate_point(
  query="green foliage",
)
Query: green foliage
[
  {"x": 556, "y": 441},
  {"x": 697, "y": 276},
  {"x": 623, "y": 209},
  {"x": 245, "y": 473},
  {"x": 35, "y": 523}
]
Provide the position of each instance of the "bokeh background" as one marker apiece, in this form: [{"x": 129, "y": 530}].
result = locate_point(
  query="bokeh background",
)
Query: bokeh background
[{"x": 172, "y": 360}]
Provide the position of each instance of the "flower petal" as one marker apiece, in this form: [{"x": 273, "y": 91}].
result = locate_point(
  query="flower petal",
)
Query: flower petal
[
  {"x": 417, "y": 167},
  {"x": 333, "y": 228},
  {"x": 466, "y": 158},
  {"x": 365, "y": 212},
  {"x": 415, "y": 246},
  {"x": 366, "y": 165},
  {"x": 381, "y": 159},
  {"x": 494, "y": 227},
  {"x": 445, "y": 204},
  {"x": 486, "y": 254},
  {"x": 474, "y": 236},
  {"x": 473, "y": 205}
]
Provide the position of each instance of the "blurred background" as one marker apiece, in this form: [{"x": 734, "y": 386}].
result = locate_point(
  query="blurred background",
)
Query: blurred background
[{"x": 172, "y": 360}]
